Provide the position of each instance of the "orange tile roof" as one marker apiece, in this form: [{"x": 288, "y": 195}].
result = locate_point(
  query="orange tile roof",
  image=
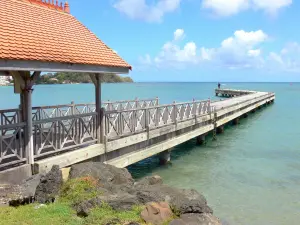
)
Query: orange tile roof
[{"x": 44, "y": 32}]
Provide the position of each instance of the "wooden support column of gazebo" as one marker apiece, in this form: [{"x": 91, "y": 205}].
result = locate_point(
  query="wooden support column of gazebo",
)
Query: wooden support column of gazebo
[
  {"x": 34, "y": 45},
  {"x": 23, "y": 85}
]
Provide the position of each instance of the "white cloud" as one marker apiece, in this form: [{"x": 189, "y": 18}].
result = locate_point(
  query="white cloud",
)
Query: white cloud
[
  {"x": 254, "y": 52},
  {"x": 225, "y": 7},
  {"x": 237, "y": 51},
  {"x": 171, "y": 54},
  {"x": 178, "y": 34},
  {"x": 145, "y": 60},
  {"x": 271, "y": 6},
  {"x": 206, "y": 54},
  {"x": 232, "y": 7},
  {"x": 249, "y": 38},
  {"x": 154, "y": 10},
  {"x": 140, "y": 9},
  {"x": 276, "y": 57},
  {"x": 242, "y": 50},
  {"x": 175, "y": 54},
  {"x": 288, "y": 59}
]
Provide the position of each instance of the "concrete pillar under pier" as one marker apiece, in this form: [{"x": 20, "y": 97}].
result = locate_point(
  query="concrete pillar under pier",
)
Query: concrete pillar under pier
[
  {"x": 245, "y": 115},
  {"x": 164, "y": 157},
  {"x": 201, "y": 140},
  {"x": 236, "y": 121},
  {"x": 220, "y": 130},
  {"x": 253, "y": 111}
]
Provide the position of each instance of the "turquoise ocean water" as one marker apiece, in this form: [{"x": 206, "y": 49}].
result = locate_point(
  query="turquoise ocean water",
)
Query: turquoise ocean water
[{"x": 250, "y": 175}]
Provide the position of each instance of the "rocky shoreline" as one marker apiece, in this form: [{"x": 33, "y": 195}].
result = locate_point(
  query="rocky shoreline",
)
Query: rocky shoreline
[{"x": 92, "y": 186}]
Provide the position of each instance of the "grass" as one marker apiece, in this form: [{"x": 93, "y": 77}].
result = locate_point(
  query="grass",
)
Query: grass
[
  {"x": 79, "y": 189},
  {"x": 52, "y": 214},
  {"x": 61, "y": 212},
  {"x": 105, "y": 214}
]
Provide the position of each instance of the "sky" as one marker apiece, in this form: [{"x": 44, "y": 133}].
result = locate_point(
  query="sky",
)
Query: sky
[{"x": 199, "y": 40}]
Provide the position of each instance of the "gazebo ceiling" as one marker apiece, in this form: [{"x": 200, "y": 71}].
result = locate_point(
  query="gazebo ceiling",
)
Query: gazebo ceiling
[{"x": 43, "y": 36}]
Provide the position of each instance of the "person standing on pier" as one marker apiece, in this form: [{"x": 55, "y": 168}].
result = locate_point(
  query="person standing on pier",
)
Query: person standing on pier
[{"x": 219, "y": 85}]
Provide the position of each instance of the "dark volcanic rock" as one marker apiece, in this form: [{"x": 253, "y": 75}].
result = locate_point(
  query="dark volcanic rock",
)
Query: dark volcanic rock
[
  {"x": 196, "y": 219},
  {"x": 103, "y": 172},
  {"x": 121, "y": 201},
  {"x": 151, "y": 180},
  {"x": 192, "y": 206},
  {"x": 182, "y": 201},
  {"x": 29, "y": 185},
  {"x": 21, "y": 194},
  {"x": 49, "y": 186}
]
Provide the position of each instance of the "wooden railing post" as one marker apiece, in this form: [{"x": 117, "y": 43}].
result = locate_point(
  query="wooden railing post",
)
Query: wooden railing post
[
  {"x": 194, "y": 111},
  {"x": 174, "y": 113},
  {"x": 157, "y": 118},
  {"x": 72, "y": 108},
  {"x": 109, "y": 106},
  {"x": 157, "y": 101},
  {"x": 146, "y": 118},
  {"x": 136, "y": 102},
  {"x": 19, "y": 114},
  {"x": 121, "y": 123},
  {"x": 102, "y": 125}
]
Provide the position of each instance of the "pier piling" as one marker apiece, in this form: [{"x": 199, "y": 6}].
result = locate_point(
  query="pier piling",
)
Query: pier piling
[
  {"x": 220, "y": 130},
  {"x": 201, "y": 140},
  {"x": 164, "y": 157}
]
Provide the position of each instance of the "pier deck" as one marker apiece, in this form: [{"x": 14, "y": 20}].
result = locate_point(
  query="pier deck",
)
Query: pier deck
[{"x": 130, "y": 130}]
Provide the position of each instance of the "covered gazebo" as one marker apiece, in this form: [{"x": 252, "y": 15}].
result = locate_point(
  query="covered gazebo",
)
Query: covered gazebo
[{"x": 40, "y": 35}]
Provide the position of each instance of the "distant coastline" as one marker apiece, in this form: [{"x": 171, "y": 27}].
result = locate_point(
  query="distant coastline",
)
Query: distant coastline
[
  {"x": 69, "y": 78},
  {"x": 79, "y": 78}
]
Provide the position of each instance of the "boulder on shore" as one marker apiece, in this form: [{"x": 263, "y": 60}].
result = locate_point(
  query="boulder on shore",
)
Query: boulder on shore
[
  {"x": 123, "y": 192},
  {"x": 151, "y": 180},
  {"x": 116, "y": 188},
  {"x": 21, "y": 194},
  {"x": 104, "y": 173},
  {"x": 157, "y": 213},
  {"x": 181, "y": 200},
  {"x": 49, "y": 186},
  {"x": 119, "y": 202}
]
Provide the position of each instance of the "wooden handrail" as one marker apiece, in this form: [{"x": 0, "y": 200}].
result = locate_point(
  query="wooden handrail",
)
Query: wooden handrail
[
  {"x": 37, "y": 122},
  {"x": 154, "y": 107}
]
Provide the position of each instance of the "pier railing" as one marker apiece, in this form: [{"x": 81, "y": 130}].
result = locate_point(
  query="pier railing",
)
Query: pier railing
[
  {"x": 12, "y": 116},
  {"x": 120, "y": 123},
  {"x": 55, "y": 128},
  {"x": 62, "y": 133},
  {"x": 68, "y": 127},
  {"x": 12, "y": 144}
]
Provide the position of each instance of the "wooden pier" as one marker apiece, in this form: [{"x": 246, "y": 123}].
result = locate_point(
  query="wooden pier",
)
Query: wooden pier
[
  {"x": 32, "y": 139},
  {"x": 130, "y": 130}
]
